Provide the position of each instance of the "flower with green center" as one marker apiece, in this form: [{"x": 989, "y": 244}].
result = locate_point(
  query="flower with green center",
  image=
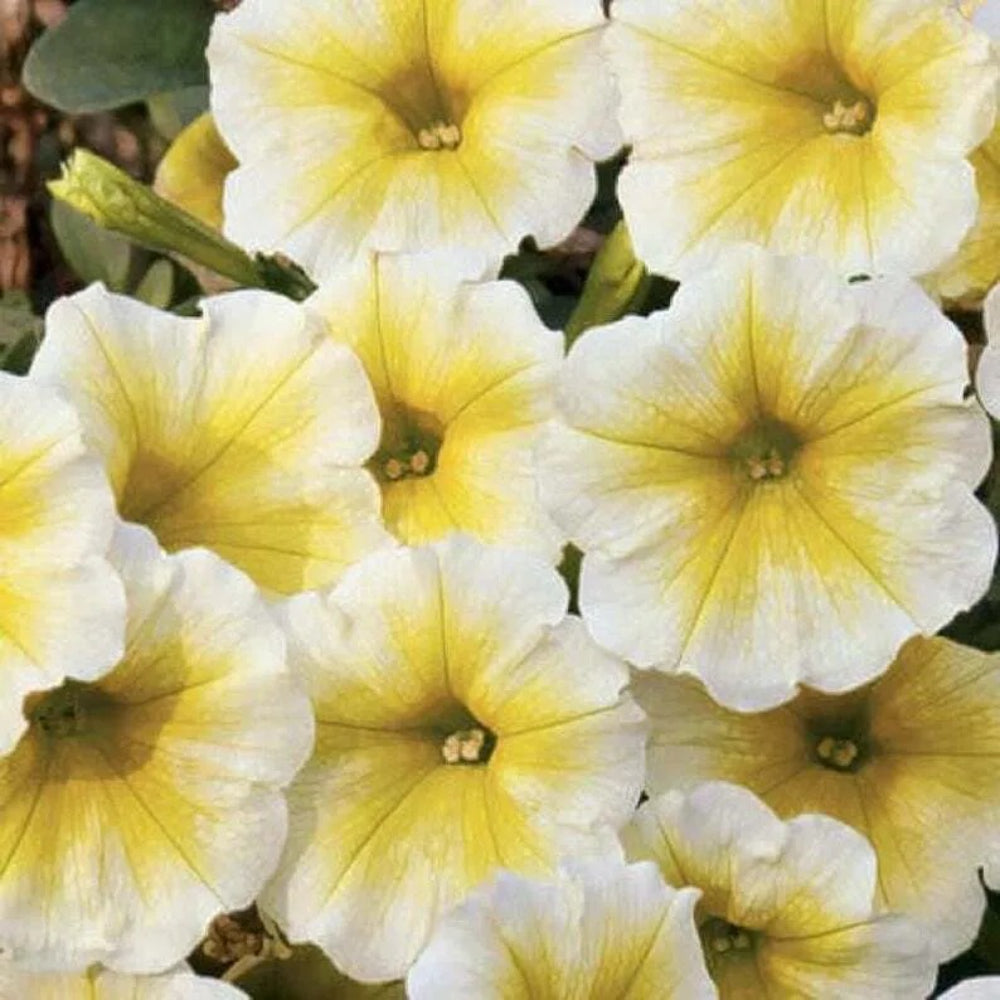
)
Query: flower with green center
[
  {"x": 465, "y": 724},
  {"x": 464, "y": 374},
  {"x": 407, "y": 125},
  {"x": 823, "y": 127},
  {"x": 787, "y": 909},
  {"x": 773, "y": 480},
  {"x": 62, "y": 611},
  {"x": 100, "y": 984},
  {"x": 598, "y": 931},
  {"x": 139, "y": 805},
  {"x": 912, "y": 761},
  {"x": 244, "y": 430}
]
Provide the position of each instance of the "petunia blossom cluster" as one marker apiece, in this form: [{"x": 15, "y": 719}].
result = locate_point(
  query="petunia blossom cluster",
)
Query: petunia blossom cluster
[{"x": 283, "y": 616}]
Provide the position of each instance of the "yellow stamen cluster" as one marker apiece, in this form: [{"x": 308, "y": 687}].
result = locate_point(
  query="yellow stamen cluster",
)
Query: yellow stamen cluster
[
  {"x": 464, "y": 746},
  {"x": 854, "y": 117},
  {"x": 768, "y": 466},
  {"x": 418, "y": 464},
  {"x": 838, "y": 753},
  {"x": 729, "y": 938},
  {"x": 440, "y": 135}
]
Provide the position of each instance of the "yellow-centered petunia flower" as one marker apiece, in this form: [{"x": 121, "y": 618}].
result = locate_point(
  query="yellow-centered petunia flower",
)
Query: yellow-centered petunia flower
[
  {"x": 244, "y": 430},
  {"x": 465, "y": 724},
  {"x": 773, "y": 479},
  {"x": 464, "y": 376},
  {"x": 787, "y": 909},
  {"x": 100, "y": 984},
  {"x": 912, "y": 761},
  {"x": 62, "y": 610},
  {"x": 138, "y": 806},
  {"x": 410, "y": 124},
  {"x": 598, "y": 931},
  {"x": 838, "y": 128}
]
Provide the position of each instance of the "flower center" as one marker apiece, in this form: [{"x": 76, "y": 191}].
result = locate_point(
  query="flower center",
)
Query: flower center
[
  {"x": 440, "y": 135},
  {"x": 855, "y": 117},
  {"x": 766, "y": 451},
  {"x": 410, "y": 445},
  {"x": 474, "y": 745},
  {"x": 719, "y": 938},
  {"x": 837, "y": 753},
  {"x": 70, "y": 710}
]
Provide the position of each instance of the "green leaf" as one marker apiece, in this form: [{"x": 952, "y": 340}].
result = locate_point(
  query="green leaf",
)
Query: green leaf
[
  {"x": 107, "y": 53},
  {"x": 93, "y": 253},
  {"x": 20, "y": 332}
]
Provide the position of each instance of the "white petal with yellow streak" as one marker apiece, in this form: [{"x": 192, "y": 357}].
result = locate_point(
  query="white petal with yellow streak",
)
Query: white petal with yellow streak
[
  {"x": 925, "y": 792},
  {"x": 325, "y": 106},
  {"x": 593, "y": 931},
  {"x": 872, "y": 535},
  {"x": 62, "y": 610},
  {"x": 476, "y": 359},
  {"x": 120, "y": 842},
  {"x": 101, "y": 984},
  {"x": 725, "y": 112},
  {"x": 802, "y": 890},
  {"x": 243, "y": 431},
  {"x": 415, "y": 644}
]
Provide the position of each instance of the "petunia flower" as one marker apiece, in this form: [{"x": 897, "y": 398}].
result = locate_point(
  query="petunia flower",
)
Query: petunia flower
[
  {"x": 243, "y": 430},
  {"x": 139, "y": 805},
  {"x": 62, "y": 610},
  {"x": 786, "y": 908},
  {"x": 912, "y": 761},
  {"x": 101, "y": 984},
  {"x": 464, "y": 376},
  {"x": 464, "y": 725},
  {"x": 835, "y": 129},
  {"x": 592, "y": 931},
  {"x": 773, "y": 479},
  {"x": 407, "y": 125}
]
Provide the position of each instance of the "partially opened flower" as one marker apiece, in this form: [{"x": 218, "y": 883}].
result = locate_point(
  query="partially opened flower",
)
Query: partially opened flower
[
  {"x": 773, "y": 479},
  {"x": 410, "y": 124},
  {"x": 464, "y": 725},
  {"x": 244, "y": 430},
  {"x": 836, "y": 129},
  {"x": 101, "y": 984},
  {"x": 139, "y": 805},
  {"x": 787, "y": 909},
  {"x": 912, "y": 761},
  {"x": 62, "y": 612},
  {"x": 597, "y": 931},
  {"x": 464, "y": 375}
]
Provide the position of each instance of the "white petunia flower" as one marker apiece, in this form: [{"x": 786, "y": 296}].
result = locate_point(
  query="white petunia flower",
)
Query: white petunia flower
[{"x": 773, "y": 480}]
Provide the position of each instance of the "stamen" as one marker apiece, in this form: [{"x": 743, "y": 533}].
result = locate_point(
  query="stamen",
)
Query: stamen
[
  {"x": 854, "y": 117},
  {"x": 440, "y": 135},
  {"x": 464, "y": 746},
  {"x": 768, "y": 466},
  {"x": 837, "y": 753}
]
